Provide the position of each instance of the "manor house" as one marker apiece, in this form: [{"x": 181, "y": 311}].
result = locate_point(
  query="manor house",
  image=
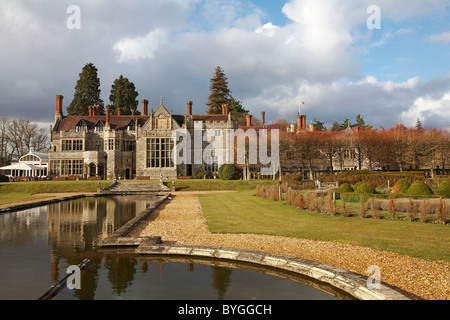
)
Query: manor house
[{"x": 126, "y": 146}]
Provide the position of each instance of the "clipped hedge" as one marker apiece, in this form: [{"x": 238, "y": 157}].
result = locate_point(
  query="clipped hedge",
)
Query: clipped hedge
[
  {"x": 375, "y": 178},
  {"x": 345, "y": 188},
  {"x": 444, "y": 188},
  {"x": 205, "y": 175},
  {"x": 401, "y": 186},
  {"x": 419, "y": 188},
  {"x": 230, "y": 172},
  {"x": 365, "y": 189}
]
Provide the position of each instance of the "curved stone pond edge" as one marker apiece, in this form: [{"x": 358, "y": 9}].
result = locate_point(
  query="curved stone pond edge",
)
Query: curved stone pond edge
[{"x": 349, "y": 282}]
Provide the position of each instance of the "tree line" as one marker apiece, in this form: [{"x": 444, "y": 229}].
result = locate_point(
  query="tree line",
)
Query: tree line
[
  {"x": 397, "y": 148},
  {"x": 18, "y": 137}
]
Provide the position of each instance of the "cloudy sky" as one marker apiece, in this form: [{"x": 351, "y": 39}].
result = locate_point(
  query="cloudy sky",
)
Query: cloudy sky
[{"x": 274, "y": 53}]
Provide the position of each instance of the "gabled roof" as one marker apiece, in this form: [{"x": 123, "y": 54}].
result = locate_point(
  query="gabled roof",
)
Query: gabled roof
[{"x": 117, "y": 122}]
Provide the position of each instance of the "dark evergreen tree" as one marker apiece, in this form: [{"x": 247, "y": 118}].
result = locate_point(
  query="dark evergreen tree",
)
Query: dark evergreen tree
[
  {"x": 87, "y": 92},
  {"x": 419, "y": 124},
  {"x": 318, "y": 125},
  {"x": 123, "y": 95},
  {"x": 360, "y": 123},
  {"x": 345, "y": 124},
  {"x": 220, "y": 94},
  {"x": 238, "y": 112},
  {"x": 336, "y": 126}
]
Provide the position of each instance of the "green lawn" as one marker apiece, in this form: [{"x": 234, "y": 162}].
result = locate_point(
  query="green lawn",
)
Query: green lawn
[
  {"x": 242, "y": 212},
  {"x": 216, "y": 184},
  {"x": 26, "y": 191}
]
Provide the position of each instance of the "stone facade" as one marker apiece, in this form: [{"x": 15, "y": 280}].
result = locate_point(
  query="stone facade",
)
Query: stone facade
[{"x": 126, "y": 146}]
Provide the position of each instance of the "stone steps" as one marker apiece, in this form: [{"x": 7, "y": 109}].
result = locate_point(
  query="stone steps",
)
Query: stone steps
[{"x": 135, "y": 188}]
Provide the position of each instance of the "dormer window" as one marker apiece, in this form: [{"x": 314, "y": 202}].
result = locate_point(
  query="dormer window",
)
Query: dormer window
[
  {"x": 81, "y": 126},
  {"x": 132, "y": 125},
  {"x": 99, "y": 126}
]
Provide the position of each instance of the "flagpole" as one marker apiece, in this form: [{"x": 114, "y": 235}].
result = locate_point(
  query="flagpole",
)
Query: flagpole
[{"x": 299, "y": 108}]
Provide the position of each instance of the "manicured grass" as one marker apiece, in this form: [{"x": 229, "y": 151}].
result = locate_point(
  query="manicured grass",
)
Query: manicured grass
[
  {"x": 216, "y": 184},
  {"x": 26, "y": 191},
  {"x": 242, "y": 212}
]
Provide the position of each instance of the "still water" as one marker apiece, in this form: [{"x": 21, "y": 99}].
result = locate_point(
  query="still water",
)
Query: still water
[{"x": 37, "y": 246}]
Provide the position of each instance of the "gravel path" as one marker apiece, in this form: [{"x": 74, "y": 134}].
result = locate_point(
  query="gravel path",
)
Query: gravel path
[{"x": 182, "y": 220}]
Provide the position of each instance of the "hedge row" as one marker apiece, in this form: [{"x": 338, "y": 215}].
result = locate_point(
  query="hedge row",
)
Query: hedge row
[{"x": 378, "y": 179}]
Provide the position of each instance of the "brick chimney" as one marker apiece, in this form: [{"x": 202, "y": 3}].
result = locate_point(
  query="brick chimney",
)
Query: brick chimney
[
  {"x": 108, "y": 123},
  {"x": 304, "y": 121},
  {"x": 59, "y": 107},
  {"x": 225, "y": 109},
  {"x": 249, "y": 120},
  {"x": 133, "y": 112},
  {"x": 145, "y": 107},
  {"x": 119, "y": 111},
  {"x": 299, "y": 122},
  {"x": 263, "y": 118},
  {"x": 189, "y": 108}
]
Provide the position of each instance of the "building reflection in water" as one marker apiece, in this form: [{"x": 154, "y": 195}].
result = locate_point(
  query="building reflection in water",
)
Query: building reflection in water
[
  {"x": 76, "y": 227},
  {"x": 63, "y": 234}
]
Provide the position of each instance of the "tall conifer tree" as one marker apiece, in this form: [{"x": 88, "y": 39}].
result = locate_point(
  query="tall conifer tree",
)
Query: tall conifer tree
[
  {"x": 220, "y": 94},
  {"x": 87, "y": 92},
  {"x": 123, "y": 95}
]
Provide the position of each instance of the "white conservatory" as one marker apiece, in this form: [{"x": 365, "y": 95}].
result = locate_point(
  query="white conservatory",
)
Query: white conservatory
[{"x": 32, "y": 165}]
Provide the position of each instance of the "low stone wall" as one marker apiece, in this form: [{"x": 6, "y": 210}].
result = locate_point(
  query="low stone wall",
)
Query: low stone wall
[
  {"x": 119, "y": 237},
  {"x": 349, "y": 282}
]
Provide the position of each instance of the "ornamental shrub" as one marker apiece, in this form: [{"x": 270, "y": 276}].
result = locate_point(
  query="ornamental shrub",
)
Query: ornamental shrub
[
  {"x": 220, "y": 171},
  {"x": 401, "y": 186},
  {"x": 365, "y": 189},
  {"x": 444, "y": 188},
  {"x": 205, "y": 175},
  {"x": 230, "y": 172},
  {"x": 356, "y": 185},
  {"x": 345, "y": 188},
  {"x": 419, "y": 188}
]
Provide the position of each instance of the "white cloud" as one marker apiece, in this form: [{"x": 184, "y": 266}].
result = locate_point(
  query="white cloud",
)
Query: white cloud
[
  {"x": 267, "y": 29},
  {"x": 443, "y": 38},
  {"x": 429, "y": 109},
  {"x": 140, "y": 47}
]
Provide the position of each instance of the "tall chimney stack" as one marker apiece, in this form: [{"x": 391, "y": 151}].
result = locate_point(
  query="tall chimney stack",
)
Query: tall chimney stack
[
  {"x": 189, "y": 108},
  {"x": 249, "y": 120},
  {"x": 263, "y": 119},
  {"x": 145, "y": 107},
  {"x": 225, "y": 109},
  {"x": 304, "y": 122},
  {"x": 59, "y": 107},
  {"x": 299, "y": 122},
  {"x": 108, "y": 109},
  {"x": 119, "y": 111}
]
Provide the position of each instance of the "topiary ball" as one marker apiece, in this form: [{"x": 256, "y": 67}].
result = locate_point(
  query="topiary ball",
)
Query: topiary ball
[
  {"x": 230, "y": 172},
  {"x": 365, "y": 189},
  {"x": 419, "y": 188},
  {"x": 401, "y": 186},
  {"x": 345, "y": 188},
  {"x": 444, "y": 188},
  {"x": 356, "y": 185}
]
